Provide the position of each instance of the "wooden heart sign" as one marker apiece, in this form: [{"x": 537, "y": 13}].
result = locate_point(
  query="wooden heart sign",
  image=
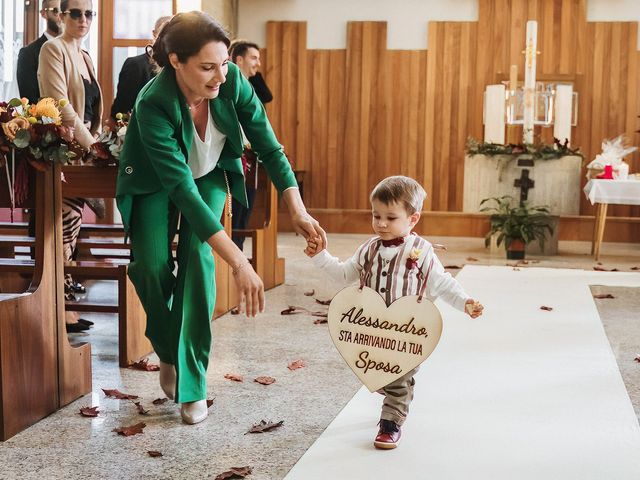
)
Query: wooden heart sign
[{"x": 380, "y": 343}]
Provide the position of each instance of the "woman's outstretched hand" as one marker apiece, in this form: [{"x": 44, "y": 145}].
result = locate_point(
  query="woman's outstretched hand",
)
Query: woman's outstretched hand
[
  {"x": 307, "y": 226},
  {"x": 250, "y": 288},
  {"x": 303, "y": 223}
]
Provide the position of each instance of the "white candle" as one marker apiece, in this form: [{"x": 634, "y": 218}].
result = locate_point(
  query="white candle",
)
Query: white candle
[
  {"x": 494, "y": 110},
  {"x": 530, "y": 80},
  {"x": 563, "y": 108}
]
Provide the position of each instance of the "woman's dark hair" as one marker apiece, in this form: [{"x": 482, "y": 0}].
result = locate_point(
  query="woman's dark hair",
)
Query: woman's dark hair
[{"x": 185, "y": 34}]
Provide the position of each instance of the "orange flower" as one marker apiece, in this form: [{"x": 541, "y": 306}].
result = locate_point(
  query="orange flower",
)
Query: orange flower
[
  {"x": 12, "y": 126},
  {"x": 47, "y": 108}
]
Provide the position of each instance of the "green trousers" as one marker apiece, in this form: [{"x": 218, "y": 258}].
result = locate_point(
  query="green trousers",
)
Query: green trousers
[{"x": 179, "y": 306}]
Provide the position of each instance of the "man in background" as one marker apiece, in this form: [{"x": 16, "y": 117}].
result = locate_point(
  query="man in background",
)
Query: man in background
[
  {"x": 246, "y": 55},
  {"x": 135, "y": 74},
  {"x": 27, "y": 68}
]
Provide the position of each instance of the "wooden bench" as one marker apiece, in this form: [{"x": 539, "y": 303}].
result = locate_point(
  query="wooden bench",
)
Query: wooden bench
[
  {"x": 39, "y": 370},
  {"x": 132, "y": 343}
]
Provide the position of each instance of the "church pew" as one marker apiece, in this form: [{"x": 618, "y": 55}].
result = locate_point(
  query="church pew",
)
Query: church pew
[{"x": 39, "y": 370}]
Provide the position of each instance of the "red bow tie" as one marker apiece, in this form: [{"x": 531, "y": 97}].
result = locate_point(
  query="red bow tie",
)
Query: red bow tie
[{"x": 393, "y": 242}]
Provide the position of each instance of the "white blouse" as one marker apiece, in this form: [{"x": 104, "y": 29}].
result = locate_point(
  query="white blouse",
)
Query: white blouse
[{"x": 204, "y": 155}]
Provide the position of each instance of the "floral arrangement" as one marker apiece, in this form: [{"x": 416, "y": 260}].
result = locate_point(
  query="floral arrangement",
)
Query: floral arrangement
[
  {"x": 539, "y": 151},
  {"x": 32, "y": 134},
  {"x": 106, "y": 150},
  {"x": 35, "y": 130}
]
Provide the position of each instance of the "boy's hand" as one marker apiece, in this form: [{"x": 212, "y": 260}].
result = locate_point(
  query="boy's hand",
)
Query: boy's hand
[
  {"x": 314, "y": 246},
  {"x": 473, "y": 308}
]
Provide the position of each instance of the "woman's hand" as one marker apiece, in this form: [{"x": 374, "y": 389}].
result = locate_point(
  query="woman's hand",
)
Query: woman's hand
[
  {"x": 250, "y": 287},
  {"x": 303, "y": 223},
  {"x": 307, "y": 226},
  {"x": 66, "y": 133}
]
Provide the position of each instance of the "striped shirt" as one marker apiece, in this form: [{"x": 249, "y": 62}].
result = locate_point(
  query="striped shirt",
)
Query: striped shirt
[{"x": 393, "y": 274}]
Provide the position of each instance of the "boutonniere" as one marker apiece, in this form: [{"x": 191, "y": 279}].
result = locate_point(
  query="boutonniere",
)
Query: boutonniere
[{"x": 412, "y": 259}]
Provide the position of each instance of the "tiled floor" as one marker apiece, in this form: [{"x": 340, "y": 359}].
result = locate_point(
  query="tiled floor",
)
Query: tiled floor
[{"x": 66, "y": 445}]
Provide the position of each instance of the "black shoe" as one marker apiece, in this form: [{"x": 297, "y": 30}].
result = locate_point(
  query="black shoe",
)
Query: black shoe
[
  {"x": 77, "y": 287},
  {"x": 82, "y": 321},
  {"x": 76, "y": 327}
]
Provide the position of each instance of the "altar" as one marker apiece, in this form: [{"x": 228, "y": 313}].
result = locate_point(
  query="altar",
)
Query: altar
[{"x": 554, "y": 182}]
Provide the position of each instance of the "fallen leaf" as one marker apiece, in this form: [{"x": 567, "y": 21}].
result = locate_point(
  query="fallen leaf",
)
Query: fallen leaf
[
  {"x": 291, "y": 310},
  {"x": 265, "y": 426},
  {"x": 548, "y": 309},
  {"x": 453, "y": 267},
  {"x": 296, "y": 365},
  {"x": 233, "y": 376},
  {"x": 235, "y": 472},
  {"x": 145, "y": 366},
  {"x": 130, "y": 430},
  {"x": 160, "y": 401},
  {"x": 637, "y": 359},
  {"x": 603, "y": 295},
  {"x": 310, "y": 293},
  {"x": 472, "y": 259},
  {"x": 154, "y": 453},
  {"x": 323, "y": 302},
  {"x": 119, "y": 395},
  {"x": 265, "y": 380},
  {"x": 141, "y": 409},
  {"x": 320, "y": 321},
  {"x": 601, "y": 269},
  {"x": 89, "y": 411},
  {"x": 209, "y": 403}
]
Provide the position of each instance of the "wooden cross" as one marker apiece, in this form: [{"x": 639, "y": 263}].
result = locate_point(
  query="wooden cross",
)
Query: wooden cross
[{"x": 525, "y": 183}]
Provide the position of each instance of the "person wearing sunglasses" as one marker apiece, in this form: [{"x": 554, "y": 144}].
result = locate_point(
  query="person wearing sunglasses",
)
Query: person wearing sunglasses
[
  {"x": 66, "y": 71},
  {"x": 27, "y": 68}
]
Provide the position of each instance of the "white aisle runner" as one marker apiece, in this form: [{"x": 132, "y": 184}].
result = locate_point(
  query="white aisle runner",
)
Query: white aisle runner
[{"x": 520, "y": 393}]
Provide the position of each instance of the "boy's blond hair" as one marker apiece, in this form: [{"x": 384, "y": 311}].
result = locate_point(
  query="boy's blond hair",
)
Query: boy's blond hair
[{"x": 400, "y": 189}]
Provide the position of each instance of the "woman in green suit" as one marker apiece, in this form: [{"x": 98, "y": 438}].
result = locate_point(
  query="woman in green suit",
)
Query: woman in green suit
[{"x": 181, "y": 157}]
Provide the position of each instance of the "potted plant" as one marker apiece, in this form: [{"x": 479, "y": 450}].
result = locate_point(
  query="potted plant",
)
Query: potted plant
[{"x": 516, "y": 225}]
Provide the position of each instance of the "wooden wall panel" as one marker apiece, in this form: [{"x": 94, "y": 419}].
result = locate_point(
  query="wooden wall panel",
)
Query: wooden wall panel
[{"x": 351, "y": 117}]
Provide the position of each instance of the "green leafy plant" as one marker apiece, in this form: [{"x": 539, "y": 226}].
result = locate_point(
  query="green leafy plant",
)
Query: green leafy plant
[
  {"x": 539, "y": 151},
  {"x": 520, "y": 222}
]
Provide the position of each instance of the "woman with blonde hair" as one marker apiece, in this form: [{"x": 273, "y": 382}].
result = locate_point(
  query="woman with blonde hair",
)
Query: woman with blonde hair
[{"x": 66, "y": 71}]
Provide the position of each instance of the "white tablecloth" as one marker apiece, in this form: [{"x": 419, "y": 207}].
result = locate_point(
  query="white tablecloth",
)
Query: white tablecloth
[{"x": 623, "y": 192}]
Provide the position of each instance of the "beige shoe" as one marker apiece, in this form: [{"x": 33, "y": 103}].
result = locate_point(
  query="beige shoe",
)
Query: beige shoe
[
  {"x": 168, "y": 379},
  {"x": 194, "y": 412}
]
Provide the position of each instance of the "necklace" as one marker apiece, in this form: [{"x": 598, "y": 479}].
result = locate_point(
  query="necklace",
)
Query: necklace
[{"x": 192, "y": 108}]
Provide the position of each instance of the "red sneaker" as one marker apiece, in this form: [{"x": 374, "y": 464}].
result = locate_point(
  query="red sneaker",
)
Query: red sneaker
[{"x": 388, "y": 436}]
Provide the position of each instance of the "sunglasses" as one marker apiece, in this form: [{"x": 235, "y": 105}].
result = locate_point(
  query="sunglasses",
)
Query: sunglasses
[
  {"x": 54, "y": 10},
  {"x": 76, "y": 14}
]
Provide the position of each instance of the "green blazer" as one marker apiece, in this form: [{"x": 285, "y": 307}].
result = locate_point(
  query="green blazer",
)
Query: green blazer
[{"x": 155, "y": 153}]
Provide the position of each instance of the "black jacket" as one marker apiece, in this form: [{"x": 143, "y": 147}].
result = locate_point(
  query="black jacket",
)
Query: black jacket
[
  {"x": 135, "y": 74},
  {"x": 260, "y": 86},
  {"x": 27, "y": 70}
]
